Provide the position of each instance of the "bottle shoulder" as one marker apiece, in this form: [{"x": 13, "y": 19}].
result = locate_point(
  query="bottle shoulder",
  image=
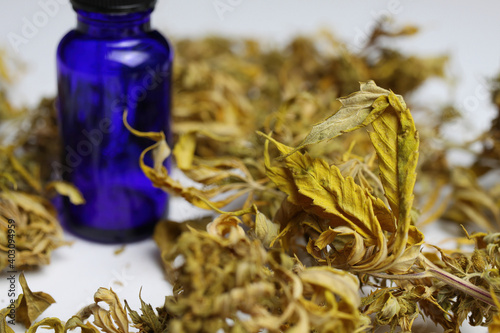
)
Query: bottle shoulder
[{"x": 80, "y": 51}]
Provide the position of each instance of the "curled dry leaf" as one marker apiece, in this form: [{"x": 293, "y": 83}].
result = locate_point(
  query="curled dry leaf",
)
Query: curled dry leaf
[
  {"x": 69, "y": 190},
  {"x": 3, "y": 322},
  {"x": 114, "y": 320},
  {"x": 321, "y": 190},
  {"x": 48, "y": 323},
  {"x": 160, "y": 177},
  {"x": 30, "y": 305},
  {"x": 76, "y": 322},
  {"x": 357, "y": 111}
]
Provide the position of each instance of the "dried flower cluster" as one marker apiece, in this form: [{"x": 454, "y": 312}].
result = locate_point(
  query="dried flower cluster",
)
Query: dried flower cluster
[{"x": 328, "y": 195}]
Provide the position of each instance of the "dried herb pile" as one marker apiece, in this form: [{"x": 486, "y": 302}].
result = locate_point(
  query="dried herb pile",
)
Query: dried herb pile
[
  {"x": 29, "y": 146},
  {"x": 318, "y": 187}
]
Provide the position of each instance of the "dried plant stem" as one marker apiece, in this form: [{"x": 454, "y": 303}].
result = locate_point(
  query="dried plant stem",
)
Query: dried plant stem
[
  {"x": 458, "y": 283},
  {"x": 432, "y": 271}
]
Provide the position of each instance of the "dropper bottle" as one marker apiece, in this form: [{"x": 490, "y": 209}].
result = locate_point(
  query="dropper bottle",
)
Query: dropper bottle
[{"x": 111, "y": 62}]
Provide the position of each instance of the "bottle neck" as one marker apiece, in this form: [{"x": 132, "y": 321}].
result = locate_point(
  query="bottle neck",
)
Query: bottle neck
[{"x": 113, "y": 25}]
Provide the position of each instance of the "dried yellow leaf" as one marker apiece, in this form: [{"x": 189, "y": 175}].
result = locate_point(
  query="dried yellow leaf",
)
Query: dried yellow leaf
[
  {"x": 67, "y": 189},
  {"x": 30, "y": 305}
]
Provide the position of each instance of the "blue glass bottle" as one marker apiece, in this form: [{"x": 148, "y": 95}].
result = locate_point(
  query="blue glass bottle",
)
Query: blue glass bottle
[{"x": 112, "y": 61}]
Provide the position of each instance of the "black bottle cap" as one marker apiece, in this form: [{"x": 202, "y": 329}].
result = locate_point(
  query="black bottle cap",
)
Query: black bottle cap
[{"x": 113, "y": 6}]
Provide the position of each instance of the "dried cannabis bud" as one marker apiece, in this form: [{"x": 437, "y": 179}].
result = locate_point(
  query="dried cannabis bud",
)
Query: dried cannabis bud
[{"x": 241, "y": 287}]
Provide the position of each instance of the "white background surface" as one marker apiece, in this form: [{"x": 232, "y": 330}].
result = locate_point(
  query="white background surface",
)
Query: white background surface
[{"x": 466, "y": 30}]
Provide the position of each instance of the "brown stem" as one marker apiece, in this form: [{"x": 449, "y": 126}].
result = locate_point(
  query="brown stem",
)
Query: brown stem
[
  {"x": 458, "y": 283},
  {"x": 432, "y": 271}
]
